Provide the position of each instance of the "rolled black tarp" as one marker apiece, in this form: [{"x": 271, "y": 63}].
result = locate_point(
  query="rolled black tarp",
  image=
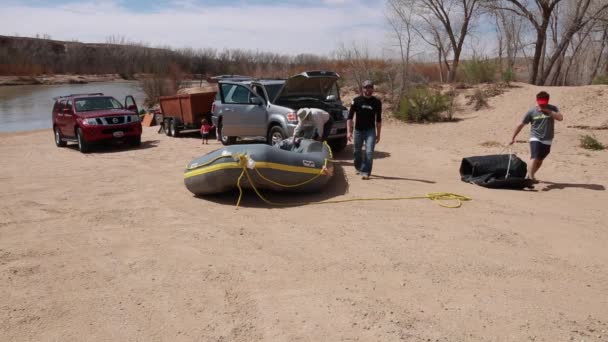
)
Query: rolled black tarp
[{"x": 501, "y": 171}]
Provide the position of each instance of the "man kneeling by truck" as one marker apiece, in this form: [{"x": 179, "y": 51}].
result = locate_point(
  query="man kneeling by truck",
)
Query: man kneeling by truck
[{"x": 313, "y": 123}]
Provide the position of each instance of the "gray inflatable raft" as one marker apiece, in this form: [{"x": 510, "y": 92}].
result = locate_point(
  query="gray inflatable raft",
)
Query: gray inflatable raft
[{"x": 306, "y": 168}]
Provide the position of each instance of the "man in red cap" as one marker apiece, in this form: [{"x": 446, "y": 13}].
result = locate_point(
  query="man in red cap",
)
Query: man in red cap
[{"x": 542, "y": 119}]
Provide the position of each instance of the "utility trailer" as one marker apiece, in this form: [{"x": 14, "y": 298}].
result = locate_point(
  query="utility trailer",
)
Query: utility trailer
[{"x": 183, "y": 113}]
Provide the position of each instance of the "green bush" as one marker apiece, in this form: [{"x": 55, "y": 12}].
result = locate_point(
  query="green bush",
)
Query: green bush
[
  {"x": 508, "y": 76},
  {"x": 422, "y": 105},
  {"x": 590, "y": 143},
  {"x": 479, "y": 70},
  {"x": 602, "y": 79}
]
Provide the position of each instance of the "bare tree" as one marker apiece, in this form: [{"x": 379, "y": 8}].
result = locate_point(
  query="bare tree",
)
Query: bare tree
[
  {"x": 358, "y": 61},
  {"x": 400, "y": 20},
  {"x": 581, "y": 13},
  {"x": 454, "y": 17}
]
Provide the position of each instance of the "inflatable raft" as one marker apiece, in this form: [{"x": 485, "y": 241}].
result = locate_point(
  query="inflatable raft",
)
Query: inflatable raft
[
  {"x": 502, "y": 171},
  {"x": 305, "y": 168}
]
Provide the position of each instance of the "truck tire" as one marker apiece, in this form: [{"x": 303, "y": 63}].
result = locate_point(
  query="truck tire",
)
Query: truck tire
[
  {"x": 58, "y": 138},
  {"x": 226, "y": 140},
  {"x": 174, "y": 129},
  {"x": 337, "y": 145},
  {"x": 275, "y": 135},
  {"x": 83, "y": 145}
]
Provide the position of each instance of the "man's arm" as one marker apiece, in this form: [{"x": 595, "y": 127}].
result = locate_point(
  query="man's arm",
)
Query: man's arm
[
  {"x": 379, "y": 122},
  {"x": 349, "y": 122},
  {"x": 557, "y": 115},
  {"x": 296, "y": 130},
  {"x": 517, "y": 130}
]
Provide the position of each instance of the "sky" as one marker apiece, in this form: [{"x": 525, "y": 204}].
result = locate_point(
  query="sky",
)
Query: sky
[{"x": 281, "y": 26}]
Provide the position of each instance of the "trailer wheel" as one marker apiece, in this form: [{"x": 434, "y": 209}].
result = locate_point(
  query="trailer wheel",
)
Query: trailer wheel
[
  {"x": 174, "y": 129},
  {"x": 167, "y": 127}
]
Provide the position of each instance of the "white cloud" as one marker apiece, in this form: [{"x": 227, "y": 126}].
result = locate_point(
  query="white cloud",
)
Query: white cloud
[{"x": 286, "y": 28}]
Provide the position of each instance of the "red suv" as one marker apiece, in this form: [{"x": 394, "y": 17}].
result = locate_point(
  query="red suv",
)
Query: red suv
[{"x": 91, "y": 118}]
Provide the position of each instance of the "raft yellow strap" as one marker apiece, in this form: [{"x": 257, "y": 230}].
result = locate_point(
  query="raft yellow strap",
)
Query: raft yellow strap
[
  {"x": 211, "y": 161},
  {"x": 291, "y": 185}
]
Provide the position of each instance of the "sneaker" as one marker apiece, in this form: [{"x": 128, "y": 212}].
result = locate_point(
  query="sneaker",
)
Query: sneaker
[
  {"x": 357, "y": 172},
  {"x": 364, "y": 176}
]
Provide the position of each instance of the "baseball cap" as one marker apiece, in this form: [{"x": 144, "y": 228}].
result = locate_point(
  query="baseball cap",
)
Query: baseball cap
[
  {"x": 303, "y": 113},
  {"x": 542, "y": 101},
  {"x": 368, "y": 83}
]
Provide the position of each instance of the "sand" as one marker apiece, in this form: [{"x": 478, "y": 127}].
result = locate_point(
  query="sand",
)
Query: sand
[{"x": 110, "y": 246}]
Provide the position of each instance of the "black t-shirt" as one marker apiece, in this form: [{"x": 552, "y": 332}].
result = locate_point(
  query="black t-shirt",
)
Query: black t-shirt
[{"x": 368, "y": 111}]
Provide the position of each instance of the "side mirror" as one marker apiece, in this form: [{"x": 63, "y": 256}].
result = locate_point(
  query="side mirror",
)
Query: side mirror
[
  {"x": 256, "y": 101},
  {"x": 66, "y": 111},
  {"x": 331, "y": 98},
  {"x": 132, "y": 108}
]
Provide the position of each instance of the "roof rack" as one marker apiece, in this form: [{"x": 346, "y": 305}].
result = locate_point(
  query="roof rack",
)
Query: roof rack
[
  {"x": 218, "y": 78},
  {"x": 72, "y": 95}
]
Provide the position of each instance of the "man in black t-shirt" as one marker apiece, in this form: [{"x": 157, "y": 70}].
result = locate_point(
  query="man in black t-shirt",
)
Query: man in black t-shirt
[{"x": 367, "y": 112}]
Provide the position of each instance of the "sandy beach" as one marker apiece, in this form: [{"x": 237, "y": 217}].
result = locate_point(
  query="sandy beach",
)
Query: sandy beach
[{"x": 110, "y": 246}]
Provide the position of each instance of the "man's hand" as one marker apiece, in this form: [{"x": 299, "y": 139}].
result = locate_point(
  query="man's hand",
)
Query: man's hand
[
  {"x": 349, "y": 137},
  {"x": 545, "y": 110},
  {"x": 377, "y": 139}
]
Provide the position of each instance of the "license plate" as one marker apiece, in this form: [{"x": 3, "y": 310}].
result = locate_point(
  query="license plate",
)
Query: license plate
[
  {"x": 118, "y": 134},
  {"x": 333, "y": 131}
]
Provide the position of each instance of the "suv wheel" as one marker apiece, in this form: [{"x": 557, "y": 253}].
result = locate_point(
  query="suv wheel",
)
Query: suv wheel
[
  {"x": 226, "y": 140},
  {"x": 276, "y": 135},
  {"x": 83, "y": 145},
  {"x": 135, "y": 141},
  {"x": 58, "y": 138}
]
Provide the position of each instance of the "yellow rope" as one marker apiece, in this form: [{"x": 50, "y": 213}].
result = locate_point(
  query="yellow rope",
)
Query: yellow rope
[
  {"x": 241, "y": 159},
  {"x": 438, "y": 197}
]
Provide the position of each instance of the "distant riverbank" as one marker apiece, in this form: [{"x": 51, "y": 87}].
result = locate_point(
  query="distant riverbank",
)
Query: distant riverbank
[{"x": 57, "y": 79}]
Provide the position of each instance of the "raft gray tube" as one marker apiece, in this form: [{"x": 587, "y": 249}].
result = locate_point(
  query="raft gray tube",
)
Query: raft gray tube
[{"x": 305, "y": 169}]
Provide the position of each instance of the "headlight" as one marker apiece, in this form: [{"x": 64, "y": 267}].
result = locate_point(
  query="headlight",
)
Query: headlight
[
  {"x": 89, "y": 121},
  {"x": 345, "y": 114},
  {"x": 133, "y": 118}
]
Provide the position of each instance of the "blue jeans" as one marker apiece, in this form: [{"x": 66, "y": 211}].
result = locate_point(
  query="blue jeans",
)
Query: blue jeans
[{"x": 363, "y": 163}]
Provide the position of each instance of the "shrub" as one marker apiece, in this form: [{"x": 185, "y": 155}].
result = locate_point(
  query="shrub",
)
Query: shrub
[
  {"x": 478, "y": 100},
  {"x": 479, "y": 70},
  {"x": 491, "y": 143},
  {"x": 602, "y": 79},
  {"x": 590, "y": 143},
  {"x": 422, "y": 105},
  {"x": 508, "y": 76}
]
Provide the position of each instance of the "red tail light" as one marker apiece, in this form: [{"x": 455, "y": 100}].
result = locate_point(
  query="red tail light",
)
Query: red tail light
[{"x": 292, "y": 117}]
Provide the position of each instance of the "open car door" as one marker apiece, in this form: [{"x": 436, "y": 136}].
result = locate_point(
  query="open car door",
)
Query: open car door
[{"x": 130, "y": 104}]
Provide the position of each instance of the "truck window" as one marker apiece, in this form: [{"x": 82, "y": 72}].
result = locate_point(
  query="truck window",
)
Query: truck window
[
  {"x": 273, "y": 90},
  {"x": 237, "y": 94}
]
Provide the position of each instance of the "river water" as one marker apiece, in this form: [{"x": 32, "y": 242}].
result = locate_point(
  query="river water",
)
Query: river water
[{"x": 24, "y": 108}]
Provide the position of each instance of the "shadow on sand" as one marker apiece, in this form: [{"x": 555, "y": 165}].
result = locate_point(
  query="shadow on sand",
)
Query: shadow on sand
[
  {"x": 337, "y": 186},
  {"x": 561, "y": 186},
  {"x": 345, "y": 157},
  {"x": 375, "y": 176},
  {"x": 116, "y": 147}
]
